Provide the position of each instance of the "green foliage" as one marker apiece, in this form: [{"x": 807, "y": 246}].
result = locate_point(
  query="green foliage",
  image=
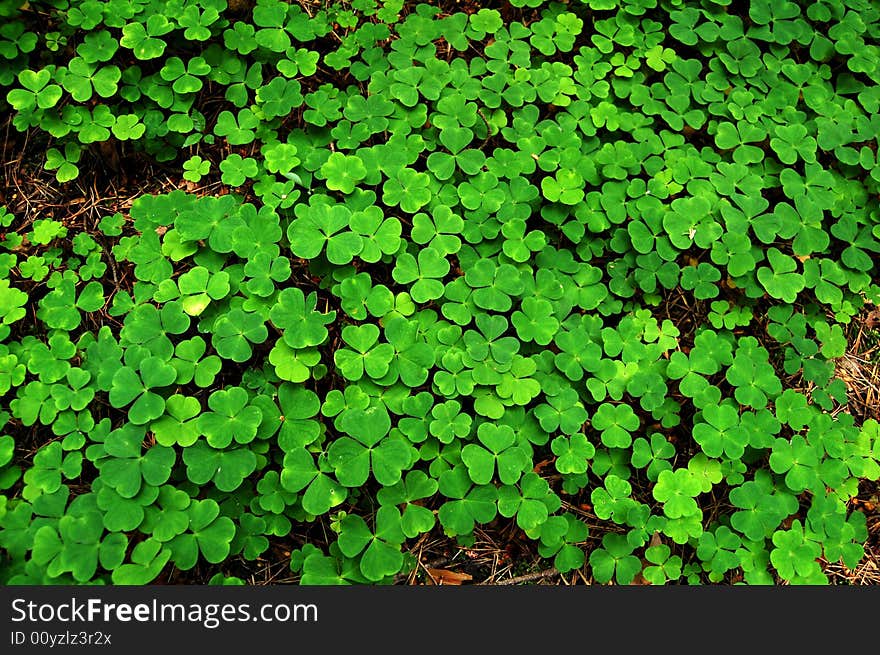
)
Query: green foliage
[{"x": 461, "y": 268}]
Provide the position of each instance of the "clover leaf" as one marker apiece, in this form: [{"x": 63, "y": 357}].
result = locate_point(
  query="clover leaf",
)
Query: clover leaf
[
  {"x": 64, "y": 163},
  {"x": 380, "y": 547},
  {"x": 563, "y": 411},
  {"x": 98, "y": 46},
  {"x": 12, "y": 302},
  {"x": 531, "y": 503},
  {"x": 324, "y": 226},
  {"x": 448, "y": 422},
  {"x": 791, "y": 142},
  {"x": 424, "y": 273},
  {"x": 343, "y": 172},
  {"x": 298, "y": 406},
  {"x": 321, "y": 491},
  {"x": 380, "y": 236},
  {"x": 191, "y": 364},
  {"x": 297, "y": 316},
  {"x": 752, "y": 375},
  {"x": 49, "y": 465},
  {"x": 82, "y": 78},
  {"x": 799, "y": 461},
  {"x": 226, "y": 468},
  {"x": 652, "y": 454},
  {"x": 795, "y": 555},
  {"x": 370, "y": 450},
  {"x": 614, "y": 560},
  {"x": 208, "y": 535},
  {"x": 147, "y": 559},
  {"x": 77, "y": 545},
  {"x": 677, "y": 490},
  {"x": 176, "y": 425},
  {"x": 573, "y": 454},
  {"x": 416, "y": 519},
  {"x": 535, "y": 322},
  {"x": 293, "y": 365},
  {"x": 664, "y": 566},
  {"x": 38, "y": 91},
  {"x": 365, "y": 354},
  {"x": 238, "y": 129},
  {"x": 439, "y": 230},
  {"x": 780, "y": 279},
  {"x": 467, "y": 504},
  {"x": 232, "y": 418},
  {"x": 143, "y": 38},
  {"x": 494, "y": 286},
  {"x": 235, "y": 331},
  {"x": 759, "y": 509},
  {"x": 196, "y": 288},
  {"x": 616, "y": 423},
  {"x": 413, "y": 357},
  {"x": 135, "y": 387},
  {"x": 126, "y": 468},
  {"x": 566, "y": 187},
  {"x": 498, "y": 451},
  {"x": 408, "y": 188},
  {"x": 121, "y": 513},
  {"x": 279, "y": 97},
  {"x": 722, "y": 432}
]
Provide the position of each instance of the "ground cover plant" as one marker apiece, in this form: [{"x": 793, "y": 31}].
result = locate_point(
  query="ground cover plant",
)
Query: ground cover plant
[{"x": 581, "y": 275}]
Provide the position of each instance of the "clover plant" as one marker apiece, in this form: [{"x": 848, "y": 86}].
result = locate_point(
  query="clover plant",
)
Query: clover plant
[{"x": 587, "y": 275}]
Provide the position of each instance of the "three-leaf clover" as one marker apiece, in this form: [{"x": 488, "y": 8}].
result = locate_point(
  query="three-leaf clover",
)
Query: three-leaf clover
[
  {"x": 232, "y": 418},
  {"x": 226, "y": 468},
  {"x": 780, "y": 279},
  {"x": 136, "y": 387},
  {"x": 38, "y": 92},
  {"x": 143, "y": 38},
  {"x": 468, "y": 504},
  {"x": 321, "y": 491},
  {"x": 323, "y": 226},
  {"x": 297, "y": 316},
  {"x": 379, "y": 548},
  {"x": 364, "y": 354},
  {"x": 368, "y": 449},
  {"x": 616, "y": 423},
  {"x": 677, "y": 491},
  {"x": 342, "y": 172},
  {"x": 208, "y": 535},
  {"x": 573, "y": 454},
  {"x": 531, "y": 503},
  {"x": 126, "y": 467},
  {"x": 235, "y": 331},
  {"x": 499, "y": 450},
  {"x": 614, "y": 560},
  {"x": 424, "y": 273}
]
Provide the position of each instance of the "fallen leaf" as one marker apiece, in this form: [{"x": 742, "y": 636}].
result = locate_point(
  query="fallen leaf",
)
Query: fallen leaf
[
  {"x": 540, "y": 465},
  {"x": 445, "y": 576},
  {"x": 639, "y": 579}
]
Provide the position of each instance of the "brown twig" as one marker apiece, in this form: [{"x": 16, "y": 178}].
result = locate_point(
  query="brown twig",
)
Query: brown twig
[{"x": 528, "y": 577}]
